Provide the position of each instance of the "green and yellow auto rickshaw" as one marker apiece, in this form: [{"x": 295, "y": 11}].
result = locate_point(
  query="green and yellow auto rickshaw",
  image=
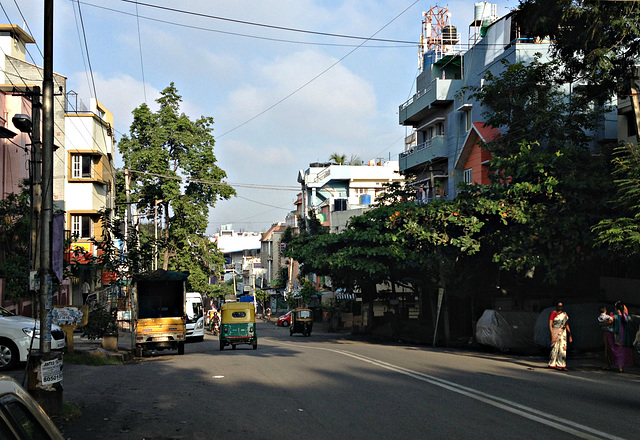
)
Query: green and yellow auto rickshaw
[
  {"x": 301, "y": 321},
  {"x": 238, "y": 325}
]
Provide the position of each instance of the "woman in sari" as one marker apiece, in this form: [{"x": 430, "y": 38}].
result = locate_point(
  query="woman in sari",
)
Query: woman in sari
[
  {"x": 623, "y": 338},
  {"x": 560, "y": 334}
]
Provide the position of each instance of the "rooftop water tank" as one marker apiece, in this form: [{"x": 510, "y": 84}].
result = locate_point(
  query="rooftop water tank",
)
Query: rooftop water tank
[
  {"x": 481, "y": 11},
  {"x": 449, "y": 35}
]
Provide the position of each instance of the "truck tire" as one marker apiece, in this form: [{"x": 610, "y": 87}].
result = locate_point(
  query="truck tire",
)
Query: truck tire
[{"x": 180, "y": 348}]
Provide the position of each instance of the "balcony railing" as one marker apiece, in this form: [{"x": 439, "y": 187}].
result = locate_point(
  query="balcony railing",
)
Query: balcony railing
[{"x": 435, "y": 147}]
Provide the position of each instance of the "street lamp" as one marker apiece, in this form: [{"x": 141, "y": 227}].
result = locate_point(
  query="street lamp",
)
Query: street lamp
[{"x": 23, "y": 123}]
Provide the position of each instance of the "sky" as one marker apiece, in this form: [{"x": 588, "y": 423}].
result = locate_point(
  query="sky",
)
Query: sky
[{"x": 281, "y": 99}]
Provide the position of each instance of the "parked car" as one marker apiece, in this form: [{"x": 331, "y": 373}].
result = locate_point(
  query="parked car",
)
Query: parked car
[
  {"x": 285, "y": 320},
  {"x": 16, "y": 335},
  {"x": 21, "y": 417}
]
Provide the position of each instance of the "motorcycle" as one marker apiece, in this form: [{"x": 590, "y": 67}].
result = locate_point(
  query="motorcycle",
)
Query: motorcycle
[{"x": 216, "y": 328}]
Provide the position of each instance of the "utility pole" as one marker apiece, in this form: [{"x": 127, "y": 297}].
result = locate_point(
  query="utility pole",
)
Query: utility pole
[{"x": 45, "y": 374}]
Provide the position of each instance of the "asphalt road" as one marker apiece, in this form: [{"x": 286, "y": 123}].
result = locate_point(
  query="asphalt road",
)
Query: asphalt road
[{"x": 327, "y": 386}]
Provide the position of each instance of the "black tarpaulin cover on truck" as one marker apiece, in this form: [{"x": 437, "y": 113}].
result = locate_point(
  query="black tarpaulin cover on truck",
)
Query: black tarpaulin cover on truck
[{"x": 163, "y": 275}]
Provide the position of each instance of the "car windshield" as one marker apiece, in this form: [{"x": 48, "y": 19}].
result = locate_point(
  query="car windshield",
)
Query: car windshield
[{"x": 5, "y": 312}]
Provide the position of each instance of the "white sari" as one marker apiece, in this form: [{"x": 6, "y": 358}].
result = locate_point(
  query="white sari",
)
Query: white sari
[{"x": 558, "y": 357}]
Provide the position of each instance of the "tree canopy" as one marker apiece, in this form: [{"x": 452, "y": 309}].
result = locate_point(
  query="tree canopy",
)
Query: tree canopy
[{"x": 173, "y": 170}]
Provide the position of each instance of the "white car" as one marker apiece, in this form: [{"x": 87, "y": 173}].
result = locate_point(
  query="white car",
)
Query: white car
[{"x": 16, "y": 334}]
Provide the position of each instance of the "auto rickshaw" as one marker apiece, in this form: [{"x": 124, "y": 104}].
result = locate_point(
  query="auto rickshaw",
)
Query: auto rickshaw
[
  {"x": 238, "y": 325},
  {"x": 301, "y": 321}
]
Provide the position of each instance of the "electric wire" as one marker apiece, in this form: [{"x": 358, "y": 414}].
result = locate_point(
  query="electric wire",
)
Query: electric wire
[
  {"x": 263, "y": 25},
  {"x": 315, "y": 77},
  {"x": 237, "y": 34},
  {"x": 24, "y": 82},
  {"x": 144, "y": 83}
]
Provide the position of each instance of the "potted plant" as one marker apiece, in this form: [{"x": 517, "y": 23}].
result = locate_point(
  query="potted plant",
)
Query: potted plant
[{"x": 103, "y": 324}]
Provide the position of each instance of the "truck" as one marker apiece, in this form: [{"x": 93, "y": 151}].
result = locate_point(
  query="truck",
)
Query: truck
[{"x": 159, "y": 311}]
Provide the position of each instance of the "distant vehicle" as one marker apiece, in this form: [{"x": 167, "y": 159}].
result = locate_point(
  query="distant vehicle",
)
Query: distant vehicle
[
  {"x": 195, "y": 316},
  {"x": 20, "y": 415},
  {"x": 16, "y": 334},
  {"x": 284, "y": 320},
  {"x": 301, "y": 321},
  {"x": 238, "y": 325}
]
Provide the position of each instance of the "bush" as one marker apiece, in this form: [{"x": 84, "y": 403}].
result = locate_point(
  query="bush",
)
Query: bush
[{"x": 102, "y": 322}]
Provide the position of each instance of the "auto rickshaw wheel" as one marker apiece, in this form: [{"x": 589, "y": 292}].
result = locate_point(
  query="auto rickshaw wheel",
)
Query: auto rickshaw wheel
[
  {"x": 221, "y": 345},
  {"x": 255, "y": 345},
  {"x": 233, "y": 346},
  {"x": 291, "y": 332}
]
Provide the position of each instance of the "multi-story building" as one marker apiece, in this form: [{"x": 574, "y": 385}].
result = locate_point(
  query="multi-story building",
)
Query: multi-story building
[
  {"x": 337, "y": 192},
  {"x": 271, "y": 253},
  {"x": 448, "y": 126},
  {"x": 84, "y": 149},
  {"x": 236, "y": 248},
  {"x": 21, "y": 94},
  {"x": 89, "y": 186}
]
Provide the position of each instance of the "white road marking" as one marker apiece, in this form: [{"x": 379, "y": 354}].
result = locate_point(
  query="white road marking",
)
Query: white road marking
[{"x": 550, "y": 420}]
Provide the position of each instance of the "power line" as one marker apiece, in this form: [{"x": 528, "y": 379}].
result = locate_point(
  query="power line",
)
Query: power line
[
  {"x": 237, "y": 34},
  {"x": 213, "y": 183},
  {"x": 318, "y": 75},
  {"x": 283, "y": 28},
  {"x": 144, "y": 84}
]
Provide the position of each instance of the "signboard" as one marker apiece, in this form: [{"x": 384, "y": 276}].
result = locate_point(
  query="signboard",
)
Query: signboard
[
  {"x": 51, "y": 371},
  {"x": 108, "y": 277},
  {"x": 81, "y": 253},
  {"x": 70, "y": 315}
]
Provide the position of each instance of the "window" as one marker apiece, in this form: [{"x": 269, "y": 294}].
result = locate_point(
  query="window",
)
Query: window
[
  {"x": 468, "y": 176},
  {"x": 440, "y": 129},
  {"x": 81, "y": 226},
  {"x": 81, "y": 166},
  {"x": 31, "y": 428},
  {"x": 467, "y": 119}
]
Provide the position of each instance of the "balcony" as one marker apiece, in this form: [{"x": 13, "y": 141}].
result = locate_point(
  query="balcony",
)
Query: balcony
[
  {"x": 425, "y": 152},
  {"x": 439, "y": 93}
]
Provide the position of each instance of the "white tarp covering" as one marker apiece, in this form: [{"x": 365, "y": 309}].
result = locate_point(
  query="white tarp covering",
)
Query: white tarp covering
[{"x": 506, "y": 330}]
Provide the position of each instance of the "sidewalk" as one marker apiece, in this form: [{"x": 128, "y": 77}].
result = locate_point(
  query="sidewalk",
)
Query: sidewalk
[{"x": 94, "y": 347}]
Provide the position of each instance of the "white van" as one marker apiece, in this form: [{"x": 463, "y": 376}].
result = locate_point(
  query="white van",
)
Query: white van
[{"x": 195, "y": 316}]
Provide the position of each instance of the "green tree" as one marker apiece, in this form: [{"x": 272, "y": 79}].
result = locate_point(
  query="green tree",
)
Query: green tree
[
  {"x": 598, "y": 41},
  {"x": 173, "y": 165},
  {"x": 15, "y": 229},
  {"x": 545, "y": 166},
  {"x": 338, "y": 159},
  {"x": 621, "y": 234},
  {"x": 527, "y": 102}
]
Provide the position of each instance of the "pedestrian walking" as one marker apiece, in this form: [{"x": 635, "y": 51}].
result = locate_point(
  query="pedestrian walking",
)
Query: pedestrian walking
[
  {"x": 560, "y": 334},
  {"x": 606, "y": 323},
  {"x": 623, "y": 337}
]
